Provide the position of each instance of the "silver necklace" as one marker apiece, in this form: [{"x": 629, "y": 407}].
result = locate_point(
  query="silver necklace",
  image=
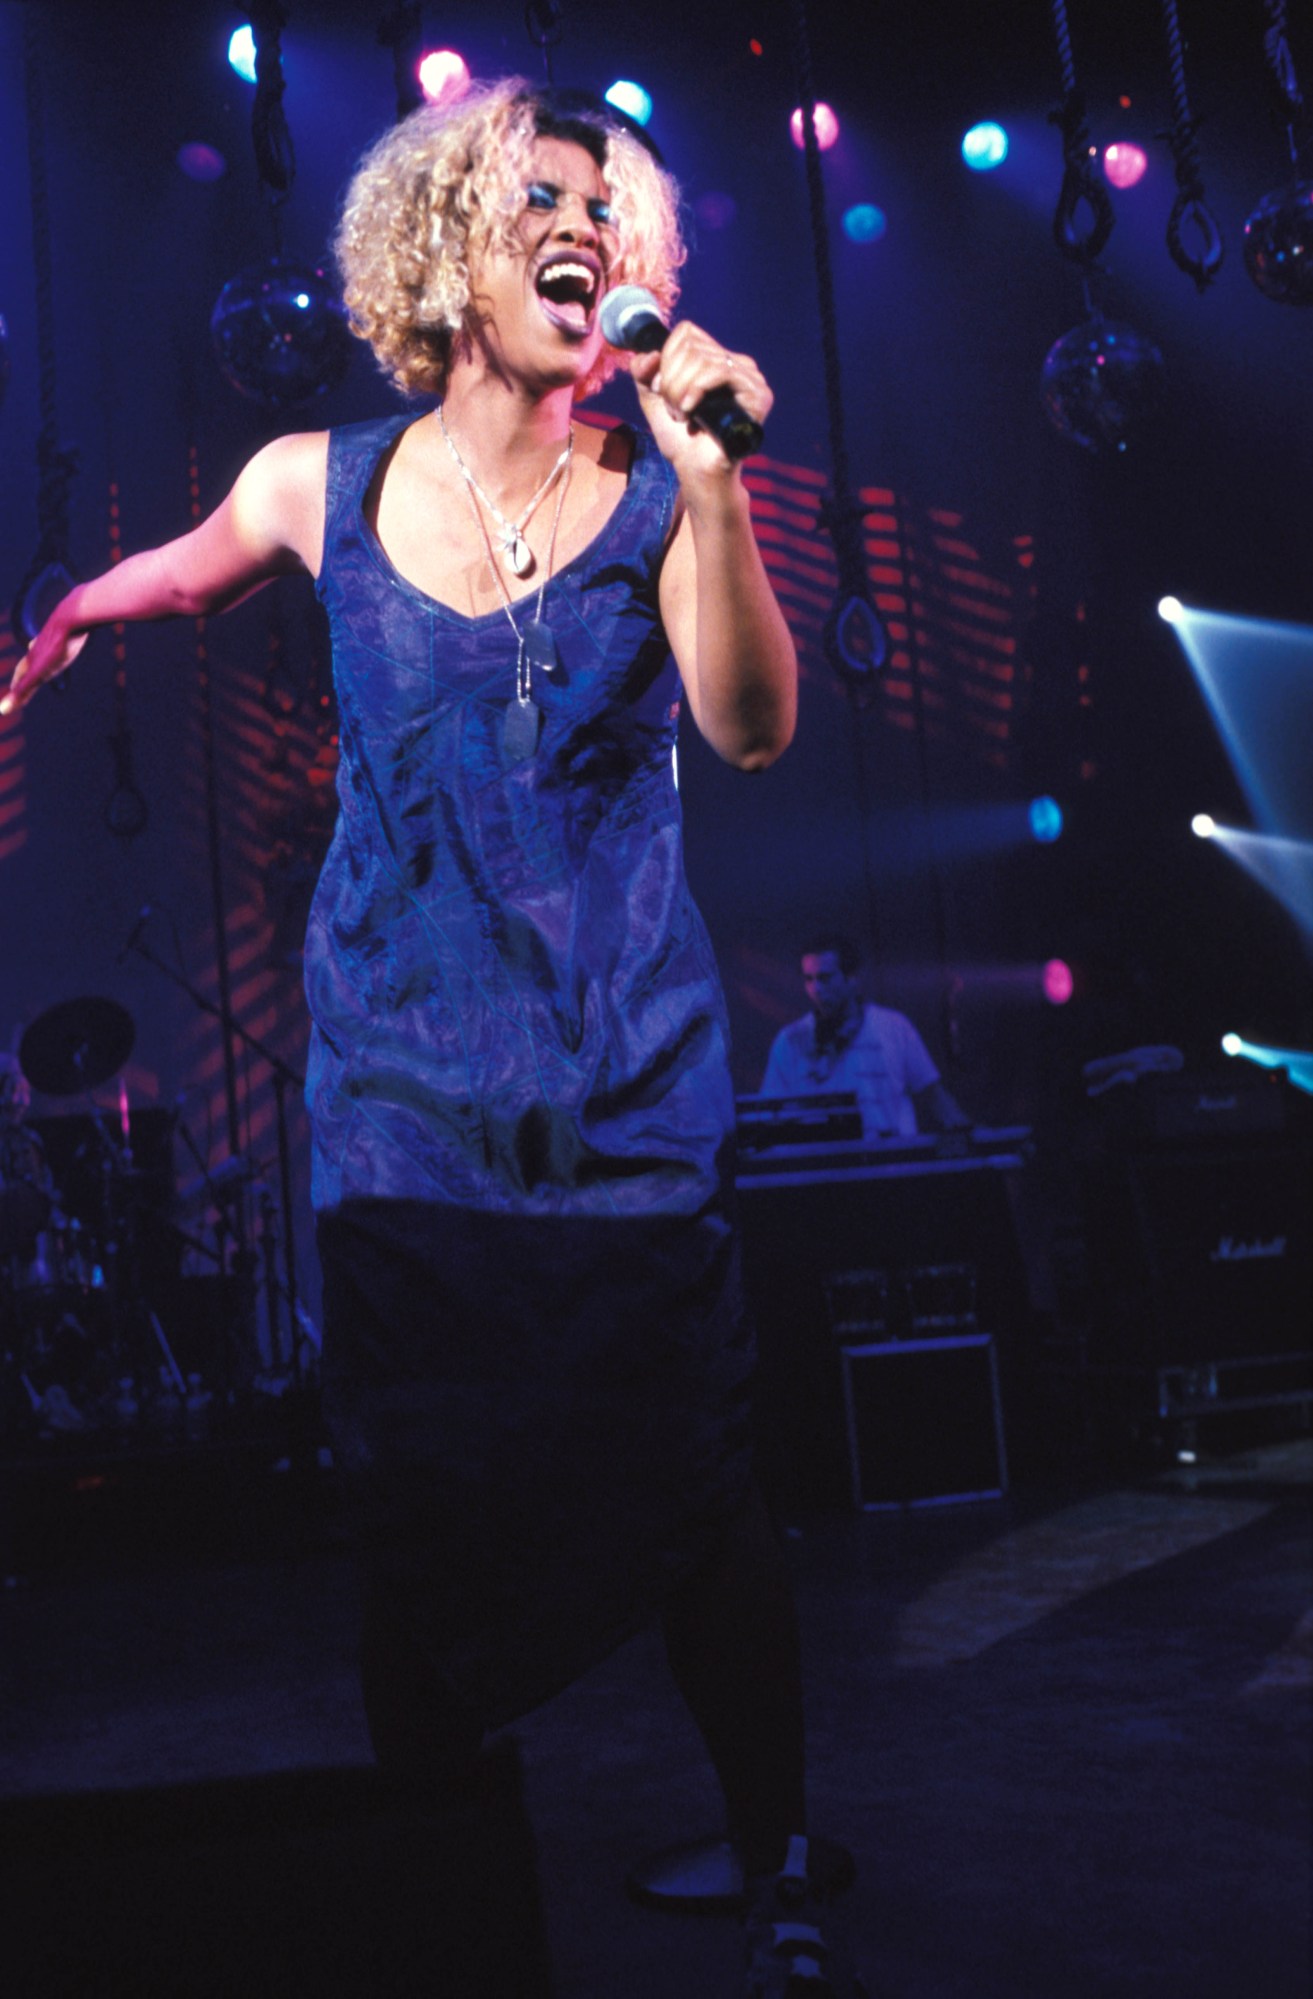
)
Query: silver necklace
[
  {"x": 535, "y": 646},
  {"x": 515, "y": 549}
]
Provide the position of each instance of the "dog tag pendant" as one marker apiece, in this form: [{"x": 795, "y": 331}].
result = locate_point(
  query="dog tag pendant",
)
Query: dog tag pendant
[
  {"x": 520, "y": 730},
  {"x": 539, "y": 647}
]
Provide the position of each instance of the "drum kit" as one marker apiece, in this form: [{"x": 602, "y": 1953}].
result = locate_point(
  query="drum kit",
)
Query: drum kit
[{"x": 80, "y": 1341}]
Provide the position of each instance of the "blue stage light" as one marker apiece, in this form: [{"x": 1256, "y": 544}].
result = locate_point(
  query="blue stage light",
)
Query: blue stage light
[
  {"x": 1256, "y": 675},
  {"x": 1171, "y": 610},
  {"x": 864, "y": 223},
  {"x": 1045, "y": 819},
  {"x": 632, "y": 99},
  {"x": 1283, "y": 867},
  {"x": 1203, "y": 825},
  {"x": 1297, "y": 1062},
  {"x": 985, "y": 146},
  {"x": 241, "y": 52}
]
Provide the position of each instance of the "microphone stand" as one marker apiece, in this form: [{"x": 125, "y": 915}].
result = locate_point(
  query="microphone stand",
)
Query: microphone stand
[{"x": 291, "y": 1351}]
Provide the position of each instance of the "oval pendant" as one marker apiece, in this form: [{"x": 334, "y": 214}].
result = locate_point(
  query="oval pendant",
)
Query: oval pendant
[{"x": 520, "y": 555}]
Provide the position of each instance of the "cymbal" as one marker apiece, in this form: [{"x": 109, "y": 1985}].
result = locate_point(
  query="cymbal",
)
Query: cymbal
[{"x": 76, "y": 1046}]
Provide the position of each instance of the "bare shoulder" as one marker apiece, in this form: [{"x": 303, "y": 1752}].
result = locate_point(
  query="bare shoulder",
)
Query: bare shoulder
[{"x": 280, "y": 494}]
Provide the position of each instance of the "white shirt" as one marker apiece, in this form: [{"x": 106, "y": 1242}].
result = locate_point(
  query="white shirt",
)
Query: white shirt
[{"x": 885, "y": 1062}]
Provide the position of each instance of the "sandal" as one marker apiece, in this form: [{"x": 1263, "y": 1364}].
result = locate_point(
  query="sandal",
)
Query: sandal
[{"x": 788, "y": 1956}]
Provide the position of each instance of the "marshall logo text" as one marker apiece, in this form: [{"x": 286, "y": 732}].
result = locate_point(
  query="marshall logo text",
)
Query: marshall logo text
[{"x": 1230, "y": 1251}]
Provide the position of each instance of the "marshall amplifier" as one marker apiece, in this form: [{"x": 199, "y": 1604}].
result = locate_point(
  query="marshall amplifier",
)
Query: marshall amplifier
[
  {"x": 1201, "y": 1254},
  {"x": 1230, "y": 1104}
]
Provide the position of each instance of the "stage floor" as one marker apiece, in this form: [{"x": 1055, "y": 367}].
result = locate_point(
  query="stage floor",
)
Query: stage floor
[{"x": 1066, "y": 1736}]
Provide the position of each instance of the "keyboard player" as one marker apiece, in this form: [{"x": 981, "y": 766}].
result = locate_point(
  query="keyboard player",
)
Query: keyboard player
[{"x": 846, "y": 1043}]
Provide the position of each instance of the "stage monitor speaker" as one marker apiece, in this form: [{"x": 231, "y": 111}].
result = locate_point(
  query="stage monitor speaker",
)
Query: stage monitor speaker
[{"x": 925, "y": 1424}]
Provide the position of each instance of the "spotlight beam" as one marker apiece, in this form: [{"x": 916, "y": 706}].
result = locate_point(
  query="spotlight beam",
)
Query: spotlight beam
[
  {"x": 1256, "y": 676},
  {"x": 1283, "y": 867},
  {"x": 1297, "y": 1062}
]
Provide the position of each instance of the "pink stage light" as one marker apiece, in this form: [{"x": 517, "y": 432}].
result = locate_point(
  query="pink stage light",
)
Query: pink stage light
[
  {"x": 1059, "y": 985},
  {"x": 827, "y": 127},
  {"x": 201, "y": 162},
  {"x": 443, "y": 76},
  {"x": 715, "y": 210},
  {"x": 1124, "y": 164}
]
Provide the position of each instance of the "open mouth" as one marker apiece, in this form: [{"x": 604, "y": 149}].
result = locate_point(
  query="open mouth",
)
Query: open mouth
[{"x": 567, "y": 286}]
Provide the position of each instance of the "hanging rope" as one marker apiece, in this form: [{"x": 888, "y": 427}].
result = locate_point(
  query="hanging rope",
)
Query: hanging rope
[
  {"x": 855, "y": 641},
  {"x": 1291, "y": 110},
  {"x": 275, "y": 157},
  {"x": 126, "y": 813},
  {"x": 544, "y": 25},
  {"x": 401, "y": 31},
  {"x": 1082, "y": 185},
  {"x": 1189, "y": 210},
  {"x": 48, "y": 576}
]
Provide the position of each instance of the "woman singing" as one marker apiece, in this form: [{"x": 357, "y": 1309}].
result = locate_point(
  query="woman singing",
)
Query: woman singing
[{"x": 536, "y": 1364}]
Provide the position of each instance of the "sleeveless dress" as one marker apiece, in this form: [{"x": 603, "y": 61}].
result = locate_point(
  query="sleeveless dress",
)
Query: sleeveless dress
[{"x": 536, "y": 1362}]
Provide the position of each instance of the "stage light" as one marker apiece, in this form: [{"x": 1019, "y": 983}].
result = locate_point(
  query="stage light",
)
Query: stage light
[
  {"x": 1058, "y": 983},
  {"x": 864, "y": 223},
  {"x": 1203, "y": 825},
  {"x": 827, "y": 128},
  {"x": 1171, "y": 610},
  {"x": 1256, "y": 676},
  {"x": 201, "y": 162},
  {"x": 1281, "y": 866},
  {"x": 632, "y": 99},
  {"x": 985, "y": 146},
  {"x": 1045, "y": 819},
  {"x": 1124, "y": 164},
  {"x": 241, "y": 52},
  {"x": 443, "y": 76},
  {"x": 1297, "y": 1062}
]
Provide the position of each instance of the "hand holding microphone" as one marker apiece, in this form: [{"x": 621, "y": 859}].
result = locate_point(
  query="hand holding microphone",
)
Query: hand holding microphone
[{"x": 693, "y": 376}]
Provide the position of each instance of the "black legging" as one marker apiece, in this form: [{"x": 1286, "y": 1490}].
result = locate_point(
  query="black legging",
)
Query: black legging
[{"x": 731, "y": 1635}]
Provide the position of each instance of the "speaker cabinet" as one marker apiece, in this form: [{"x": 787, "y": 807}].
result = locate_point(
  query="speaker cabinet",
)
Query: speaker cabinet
[
  {"x": 1201, "y": 1254},
  {"x": 924, "y": 1421}
]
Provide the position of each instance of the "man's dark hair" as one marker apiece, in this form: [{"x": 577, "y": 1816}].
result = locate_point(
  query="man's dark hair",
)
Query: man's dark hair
[{"x": 839, "y": 945}]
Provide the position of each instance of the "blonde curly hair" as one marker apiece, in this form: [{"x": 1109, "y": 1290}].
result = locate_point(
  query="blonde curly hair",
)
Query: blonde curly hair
[{"x": 450, "y": 181}]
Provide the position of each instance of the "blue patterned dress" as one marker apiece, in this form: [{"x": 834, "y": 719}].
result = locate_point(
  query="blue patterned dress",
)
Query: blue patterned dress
[{"x": 536, "y": 1364}]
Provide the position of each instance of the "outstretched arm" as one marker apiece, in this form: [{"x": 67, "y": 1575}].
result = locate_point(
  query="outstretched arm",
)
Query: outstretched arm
[
  {"x": 734, "y": 651},
  {"x": 271, "y": 522}
]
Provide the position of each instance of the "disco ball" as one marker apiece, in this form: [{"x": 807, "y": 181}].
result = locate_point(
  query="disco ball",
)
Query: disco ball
[
  {"x": 1100, "y": 382},
  {"x": 1279, "y": 244},
  {"x": 280, "y": 333}
]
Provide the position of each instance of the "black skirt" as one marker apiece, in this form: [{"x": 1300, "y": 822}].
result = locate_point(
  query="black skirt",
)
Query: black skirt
[{"x": 542, "y": 1425}]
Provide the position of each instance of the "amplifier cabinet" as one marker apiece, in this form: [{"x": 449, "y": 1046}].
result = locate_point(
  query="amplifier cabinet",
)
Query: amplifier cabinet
[
  {"x": 924, "y": 1421},
  {"x": 1201, "y": 1254},
  {"x": 795, "y": 1239}
]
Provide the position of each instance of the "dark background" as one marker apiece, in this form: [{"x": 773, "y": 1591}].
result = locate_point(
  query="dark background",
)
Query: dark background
[{"x": 944, "y": 324}]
